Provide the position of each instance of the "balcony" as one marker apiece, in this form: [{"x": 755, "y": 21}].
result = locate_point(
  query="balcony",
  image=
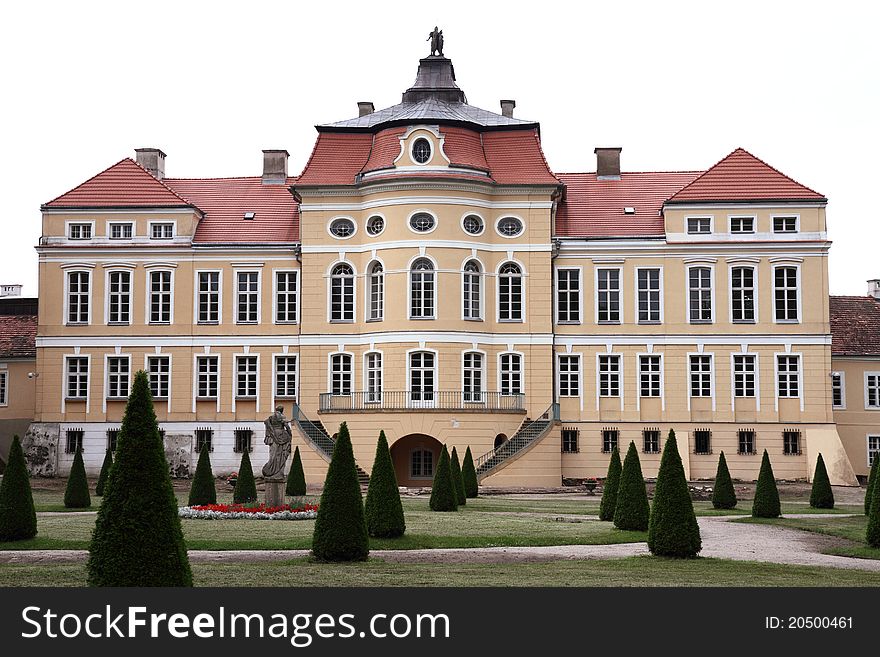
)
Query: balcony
[{"x": 420, "y": 400}]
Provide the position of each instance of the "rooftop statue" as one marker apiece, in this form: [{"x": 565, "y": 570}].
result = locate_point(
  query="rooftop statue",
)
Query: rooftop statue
[{"x": 436, "y": 39}]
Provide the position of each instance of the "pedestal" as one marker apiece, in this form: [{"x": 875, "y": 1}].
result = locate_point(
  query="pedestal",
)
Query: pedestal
[{"x": 274, "y": 495}]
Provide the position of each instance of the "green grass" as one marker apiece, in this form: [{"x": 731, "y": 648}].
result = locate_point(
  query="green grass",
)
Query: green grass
[
  {"x": 632, "y": 571},
  {"x": 850, "y": 528}
]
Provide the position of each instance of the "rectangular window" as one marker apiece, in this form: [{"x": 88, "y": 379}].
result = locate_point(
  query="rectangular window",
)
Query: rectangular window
[
  {"x": 649, "y": 295},
  {"x": 421, "y": 376},
  {"x": 872, "y": 390},
  {"x": 285, "y": 297},
  {"x": 374, "y": 377},
  {"x": 119, "y": 297},
  {"x": 785, "y": 224},
  {"x": 243, "y": 441},
  {"x": 77, "y": 377},
  {"x": 569, "y": 376},
  {"x": 204, "y": 439},
  {"x": 4, "y": 388},
  {"x": 78, "y": 294},
  {"x": 422, "y": 464},
  {"x": 117, "y": 377},
  {"x": 247, "y": 297},
  {"x": 610, "y": 438},
  {"x": 746, "y": 440},
  {"x": 161, "y": 231},
  {"x": 873, "y": 449},
  {"x": 570, "y": 441},
  {"x": 160, "y": 297},
  {"x": 209, "y": 297},
  {"x": 791, "y": 443},
  {"x": 245, "y": 377},
  {"x": 568, "y": 293},
  {"x": 701, "y": 376},
  {"x": 121, "y": 231},
  {"x": 699, "y": 225},
  {"x": 112, "y": 439},
  {"x": 159, "y": 370},
  {"x": 649, "y": 376},
  {"x": 742, "y": 294},
  {"x": 511, "y": 374},
  {"x": 472, "y": 377},
  {"x": 285, "y": 376},
  {"x": 342, "y": 293},
  {"x": 340, "y": 374},
  {"x": 788, "y": 376},
  {"x": 74, "y": 440},
  {"x": 609, "y": 376},
  {"x": 608, "y": 296},
  {"x": 207, "y": 377},
  {"x": 785, "y": 294},
  {"x": 510, "y": 293},
  {"x": 838, "y": 395},
  {"x": 652, "y": 441},
  {"x": 744, "y": 373},
  {"x": 700, "y": 294},
  {"x": 79, "y": 231},
  {"x": 702, "y": 441},
  {"x": 742, "y": 225}
]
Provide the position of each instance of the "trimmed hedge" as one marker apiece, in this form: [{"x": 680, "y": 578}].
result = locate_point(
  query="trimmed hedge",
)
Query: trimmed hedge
[
  {"x": 723, "y": 494},
  {"x": 105, "y": 472},
  {"x": 469, "y": 474},
  {"x": 18, "y": 520},
  {"x": 203, "y": 489},
  {"x": 383, "y": 509},
  {"x": 872, "y": 480},
  {"x": 673, "y": 530},
  {"x": 340, "y": 529},
  {"x": 610, "y": 487},
  {"x": 821, "y": 496},
  {"x": 443, "y": 495},
  {"x": 76, "y": 495},
  {"x": 457, "y": 479},
  {"x": 296, "y": 478},
  {"x": 137, "y": 539},
  {"x": 245, "y": 486},
  {"x": 872, "y": 533},
  {"x": 766, "y": 504},
  {"x": 632, "y": 510}
]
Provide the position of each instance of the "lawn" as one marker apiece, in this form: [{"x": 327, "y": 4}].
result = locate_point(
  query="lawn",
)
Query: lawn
[{"x": 851, "y": 528}]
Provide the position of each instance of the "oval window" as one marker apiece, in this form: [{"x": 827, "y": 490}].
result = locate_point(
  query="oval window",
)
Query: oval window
[
  {"x": 375, "y": 225},
  {"x": 342, "y": 227},
  {"x": 422, "y": 222},
  {"x": 421, "y": 150},
  {"x": 472, "y": 224},
  {"x": 510, "y": 226}
]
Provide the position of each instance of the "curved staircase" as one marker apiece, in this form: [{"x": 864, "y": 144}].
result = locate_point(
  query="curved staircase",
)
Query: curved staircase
[
  {"x": 530, "y": 432},
  {"x": 315, "y": 433}
]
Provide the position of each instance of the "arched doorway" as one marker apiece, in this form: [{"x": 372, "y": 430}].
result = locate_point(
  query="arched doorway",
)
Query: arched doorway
[
  {"x": 415, "y": 457},
  {"x": 500, "y": 439}
]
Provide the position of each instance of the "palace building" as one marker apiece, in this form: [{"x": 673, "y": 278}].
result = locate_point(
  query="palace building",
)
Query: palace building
[{"x": 428, "y": 274}]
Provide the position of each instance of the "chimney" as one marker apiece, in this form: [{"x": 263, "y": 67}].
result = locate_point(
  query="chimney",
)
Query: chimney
[
  {"x": 607, "y": 163},
  {"x": 365, "y": 107},
  {"x": 275, "y": 167},
  {"x": 151, "y": 159},
  {"x": 507, "y": 108},
  {"x": 874, "y": 288}
]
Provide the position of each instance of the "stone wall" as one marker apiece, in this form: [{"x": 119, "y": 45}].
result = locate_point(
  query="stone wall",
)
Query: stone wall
[
  {"x": 178, "y": 453},
  {"x": 40, "y": 446}
]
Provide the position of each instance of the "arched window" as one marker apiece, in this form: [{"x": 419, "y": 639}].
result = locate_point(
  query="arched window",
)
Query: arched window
[
  {"x": 471, "y": 291},
  {"x": 377, "y": 292},
  {"x": 421, "y": 287},
  {"x": 342, "y": 293},
  {"x": 510, "y": 293}
]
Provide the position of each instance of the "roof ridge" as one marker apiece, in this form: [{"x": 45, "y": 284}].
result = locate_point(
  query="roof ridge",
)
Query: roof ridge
[
  {"x": 158, "y": 180},
  {"x": 585, "y": 173},
  {"x": 75, "y": 187}
]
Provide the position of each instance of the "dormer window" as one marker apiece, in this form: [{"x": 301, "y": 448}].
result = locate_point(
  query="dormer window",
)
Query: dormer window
[
  {"x": 421, "y": 151},
  {"x": 161, "y": 231}
]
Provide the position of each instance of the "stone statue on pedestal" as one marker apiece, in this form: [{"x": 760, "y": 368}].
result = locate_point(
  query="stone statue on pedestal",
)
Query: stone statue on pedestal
[
  {"x": 436, "y": 39},
  {"x": 278, "y": 437}
]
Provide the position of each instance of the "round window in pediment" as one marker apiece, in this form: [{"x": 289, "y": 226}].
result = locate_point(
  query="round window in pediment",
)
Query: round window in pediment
[{"x": 421, "y": 150}]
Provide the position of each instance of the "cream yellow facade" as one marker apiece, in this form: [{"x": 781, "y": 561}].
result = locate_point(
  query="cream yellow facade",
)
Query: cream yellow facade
[{"x": 858, "y": 414}]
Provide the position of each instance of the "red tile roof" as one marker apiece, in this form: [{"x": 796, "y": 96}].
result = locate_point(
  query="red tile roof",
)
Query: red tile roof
[
  {"x": 384, "y": 150},
  {"x": 126, "y": 184},
  {"x": 464, "y": 148},
  {"x": 855, "y": 326},
  {"x": 515, "y": 158},
  {"x": 18, "y": 336},
  {"x": 743, "y": 177},
  {"x": 224, "y": 201},
  {"x": 336, "y": 159},
  {"x": 594, "y": 208}
]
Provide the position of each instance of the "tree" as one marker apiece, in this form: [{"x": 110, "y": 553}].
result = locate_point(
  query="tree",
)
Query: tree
[
  {"x": 245, "y": 490},
  {"x": 76, "y": 495},
  {"x": 105, "y": 471},
  {"x": 672, "y": 529},
  {"x": 872, "y": 480},
  {"x": 469, "y": 474},
  {"x": 821, "y": 497},
  {"x": 203, "y": 490},
  {"x": 766, "y": 504},
  {"x": 137, "y": 539},
  {"x": 872, "y": 534},
  {"x": 632, "y": 510},
  {"x": 443, "y": 496},
  {"x": 457, "y": 479},
  {"x": 341, "y": 530},
  {"x": 383, "y": 510},
  {"x": 723, "y": 493},
  {"x": 296, "y": 478},
  {"x": 610, "y": 487},
  {"x": 18, "y": 520}
]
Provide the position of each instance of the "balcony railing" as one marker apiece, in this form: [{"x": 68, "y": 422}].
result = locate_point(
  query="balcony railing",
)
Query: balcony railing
[{"x": 407, "y": 400}]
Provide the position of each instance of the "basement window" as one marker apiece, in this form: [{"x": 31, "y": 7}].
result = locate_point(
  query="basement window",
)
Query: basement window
[
  {"x": 791, "y": 443},
  {"x": 112, "y": 439},
  {"x": 74, "y": 439},
  {"x": 243, "y": 441},
  {"x": 204, "y": 440},
  {"x": 609, "y": 440},
  {"x": 702, "y": 441},
  {"x": 570, "y": 441},
  {"x": 652, "y": 441},
  {"x": 746, "y": 439}
]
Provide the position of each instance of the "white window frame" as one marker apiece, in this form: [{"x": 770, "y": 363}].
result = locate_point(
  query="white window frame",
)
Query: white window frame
[
  {"x": 368, "y": 291},
  {"x": 121, "y": 357},
  {"x": 337, "y": 218},
  {"x": 351, "y": 374},
  {"x": 248, "y": 271},
  {"x": 780, "y": 215},
  {"x": 620, "y": 300},
  {"x": 522, "y": 287},
  {"x": 64, "y": 386},
  {"x": 422, "y": 211},
  {"x": 659, "y": 292},
  {"x": 68, "y": 226},
  {"x": 481, "y": 281},
  {"x": 620, "y": 379},
  {"x": 275, "y": 394},
  {"x": 367, "y": 224},
  {"x": 150, "y": 225},
  {"x": 687, "y": 221},
  {"x": 218, "y": 374},
  {"x": 275, "y": 292},
  {"x": 580, "y": 296},
  {"x": 690, "y": 372},
  {"x": 411, "y": 150},
  {"x": 435, "y": 274},
  {"x": 740, "y": 217},
  {"x": 757, "y": 375},
  {"x": 687, "y": 291},
  {"x": 4, "y": 386},
  {"x": 639, "y": 380},
  {"x": 798, "y": 291},
  {"x": 841, "y": 376},
  {"x": 107, "y": 292},
  {"x": 170, "y": 358},
  {"x": 480, "y": 396},
  {"x": 876, "y": 376},
  {"x": 868, "y": 447},
  {"x": 522, "y": 373},
  {"x": 755, "y": 291},
  {"x": 196, "y": 305},
  {"x": 410, "y": 402},
  {"x": 354, "y": 277},
  {"x": 111, "y": 224},
  {"x": 247, "y": 373},
  {"x": 148, "y": 311},
  {"x": 90, "y": 281},
  {"x": 374, "y": 396},
  {"x": 475, "y": 214},
  {"x": 508, "y": 215},
  {"x": 579, "y": 371},
  {"x": 800, "y": 371}
]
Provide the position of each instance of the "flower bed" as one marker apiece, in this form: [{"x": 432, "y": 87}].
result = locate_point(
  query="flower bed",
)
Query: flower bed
[{"x": 249, "y": 512}]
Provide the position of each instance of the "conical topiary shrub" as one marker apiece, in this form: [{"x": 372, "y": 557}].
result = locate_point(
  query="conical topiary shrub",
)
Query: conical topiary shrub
[
  {"x": 872, "y": 480},
  {"x": 76, "y": 495},
  {"x": 203, "y": 489},
  {"x": 673, "y": 530},
  {"x": 821, "y": 497},
  {"x": 632, "y": 510},
  {"x": 383, "y": 510},
  {"x": 137, "y": 539},
  {"x": 443, "y": 496},
  {"x": 457, "y": 479},
  {"x": 723, "y": 494},
  {"x": 296, "y": 478},
  {"x": 341, "y": 530},
  {"x": 105, "y": 472},
  {"x": 18, "y": 519},
  {"x": 245, "y": 490},
  {"x": 872, "y": 534},
  {"x": 469, "y": 474},
  {"x": 766, "y": 504},
  {"x": 610, "y": 487}
]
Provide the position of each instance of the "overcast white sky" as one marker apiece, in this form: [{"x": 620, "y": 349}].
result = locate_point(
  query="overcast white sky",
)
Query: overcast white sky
[{"x": 677, "y": 84}]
